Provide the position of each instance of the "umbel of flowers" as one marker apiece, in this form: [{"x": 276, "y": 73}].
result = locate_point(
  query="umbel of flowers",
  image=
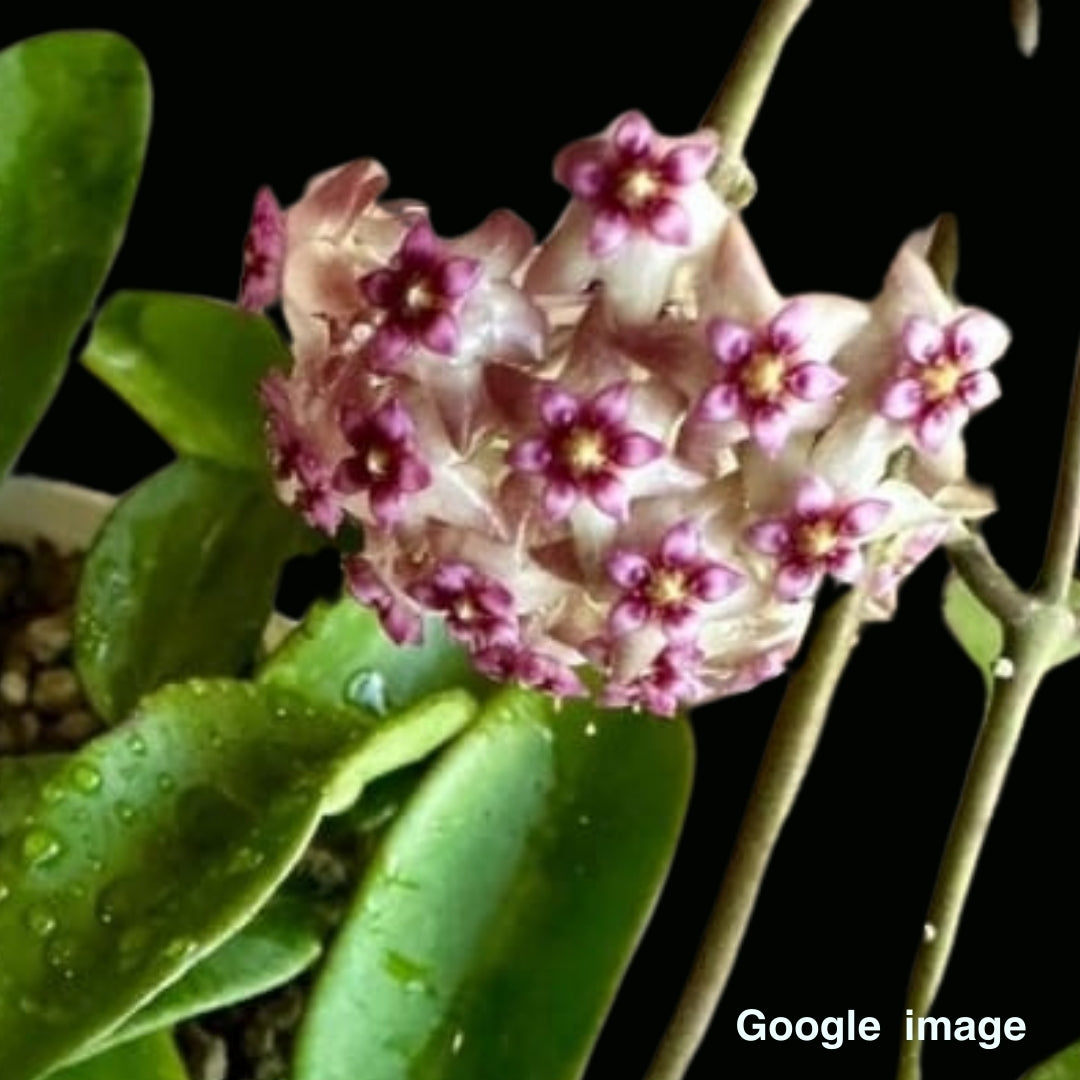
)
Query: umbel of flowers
[{"x": 621, "y": 451}]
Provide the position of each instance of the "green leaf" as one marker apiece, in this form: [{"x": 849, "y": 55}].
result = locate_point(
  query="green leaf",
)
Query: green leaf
[
  {"x": 980, "y": 634},
  {"x": 340, "y": 653},
  {"x": 74, "y": 121},
  {"x": 152, "y": 1058},
  {"x": 158, "y": 841},
  {"x": 491, "y": 932},
  {"x": 180, "y": 581},
  {"x": 191, "y": 368},
  {"x": 280, "y": 943},
  {"x": 978, "y": 631},
  {"x": 1064, "y": 1065}
]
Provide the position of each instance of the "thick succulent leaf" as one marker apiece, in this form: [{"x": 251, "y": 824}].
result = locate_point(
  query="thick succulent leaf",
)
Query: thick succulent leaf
[
  {"x": 180, "y": 582},
  {"x": 339, "y": 653},
  {"x": 280, "y": 943},
  {"x": 158, "y": 841},
  {"x": 191, "y": 367},
  {"x": 152, "y": 1058},
  {"x": 74, "y": 121},
  {"x": 980, "y": 634},
  {"x": 1064, "y": 1065},
  {"x": 490, "y": 934}
]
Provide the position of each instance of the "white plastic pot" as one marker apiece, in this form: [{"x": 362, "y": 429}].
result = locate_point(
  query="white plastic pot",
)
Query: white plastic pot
[
  {"x": 66, "y": 515},
  {"x": 69, "y": 516}
]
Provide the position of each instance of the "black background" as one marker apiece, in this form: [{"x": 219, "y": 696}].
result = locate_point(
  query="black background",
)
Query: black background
[{"x": 883, "y": 114}]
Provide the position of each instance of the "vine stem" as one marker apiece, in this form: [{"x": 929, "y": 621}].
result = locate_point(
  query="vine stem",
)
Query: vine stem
[
  {"x": 1029, "y": 650},
  {"x": 1059, "y": 564},
  {"x": 738, "y": 101},
  {"x": 790, "y": 748},
  {"x": 1035, "y": 630}
]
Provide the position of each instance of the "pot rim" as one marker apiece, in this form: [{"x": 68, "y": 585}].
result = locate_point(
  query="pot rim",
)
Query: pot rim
[{"x": 67, "y": 515}]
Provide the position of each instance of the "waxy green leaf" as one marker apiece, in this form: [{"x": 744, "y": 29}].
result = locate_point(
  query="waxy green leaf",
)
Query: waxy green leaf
[
  {"x": 74, "y": 121},
  {"x": 280, "y": 943},
  {"x": 151, "y": 1058},
  {"x": 1064, "y": 1065},
  {"x": 180, "y": 581},
  {"x": 340, "y": 652},
  {"x": 158, "y": 841},
  {"x": 191, "y": 367},
  {"x": 491, "y": 932}
]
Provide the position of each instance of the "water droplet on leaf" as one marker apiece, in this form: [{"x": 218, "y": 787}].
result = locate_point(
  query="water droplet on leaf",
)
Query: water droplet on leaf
[{"x": 40, "y": 846}]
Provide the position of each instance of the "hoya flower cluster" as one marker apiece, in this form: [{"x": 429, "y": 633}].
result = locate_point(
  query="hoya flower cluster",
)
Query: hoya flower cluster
[{"x": 618, "y": 461}]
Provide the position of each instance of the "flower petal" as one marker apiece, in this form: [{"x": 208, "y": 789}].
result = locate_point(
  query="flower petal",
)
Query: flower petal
[
  {"x": 979, "y": 389},
  {"x": 979, "y": 337},
  {"x": 814, "y": 382},
  {"x": 769, "y": 537},
  {"x": 731, "y": 342},
  {"x": 670, "y": 223},
  {"x": 921, "y": 339},
  {"x": 608, "y": 232},
  {"x": 862, "y": 517},
  {"x": 794, "y": 581},
  {"x": 813, "y": 495},
  {"x": 903, "y": 399},
  {"x": 689, "y": 161}
]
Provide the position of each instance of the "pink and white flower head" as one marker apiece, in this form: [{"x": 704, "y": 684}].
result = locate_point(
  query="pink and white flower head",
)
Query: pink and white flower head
[
  {"x": 668, "y": 586},
  {"x": 641, "y": 207},
  {"x": 916, "y": 373},
  {"x": 650, "y": 479},
  {"x": 756, "y": 367},
  {"x": 941, "y": 375},
  {"x": 822, "y": 533}
]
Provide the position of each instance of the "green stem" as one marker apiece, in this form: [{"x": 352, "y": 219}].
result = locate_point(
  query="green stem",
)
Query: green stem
[
  {"x": 977, "y": 568},
  {"x": 787, "y": 756},
  {"x": 1030, "y": 647},
  {"x": 735, "y": 107},
  {"x": 1035, "y": 628},
  {"x": 1059, "y": 565}
]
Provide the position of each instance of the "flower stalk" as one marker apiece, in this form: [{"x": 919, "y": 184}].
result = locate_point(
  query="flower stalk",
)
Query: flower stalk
[
  {"x": 1036, "y": 628},
  {"x": 738, "y": 101},
  {"x": 790, "y": 749}
]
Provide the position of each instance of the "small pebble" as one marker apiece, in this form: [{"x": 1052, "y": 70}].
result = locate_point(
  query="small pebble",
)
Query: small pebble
[
  {"x": 56, "y": 690},
  {"x": 207, "y": 1055},
  {"x": 76, "y": 727},
  {"x": 48, "y": 636},
  {"x": 28, "y": 729},
  {"x": 14, "y": 688}
]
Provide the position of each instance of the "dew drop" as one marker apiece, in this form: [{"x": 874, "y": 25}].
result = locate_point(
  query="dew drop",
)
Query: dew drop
[
  {"x": 245, "y": 859},
  {"x": 86, "y": 778},
  {"x": 60, "y": 956},
  {"x": 136, "y": 744},
  {"x": 125, "y": 812},
  {"x": 367, "y": 689},
  {"x": 590, "y": 729},
  {"x": 41, "y": 921},
  {"x": 166, "y": 783},
  {"x": 5, "y": 892},
  {"x": 53, "y": 792},
  {"x": 178, "y": 948},
  {"x": 40, "y": 846}
]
